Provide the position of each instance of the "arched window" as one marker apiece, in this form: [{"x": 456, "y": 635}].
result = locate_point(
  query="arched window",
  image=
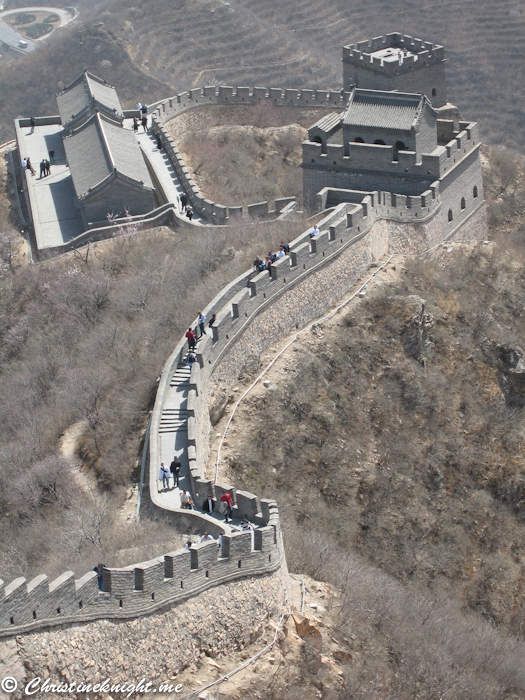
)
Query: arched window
[
  {"x": 463, "y": 205},
  {"x": 358, "y": 140},
  {"x": 475, "y": 191},
  {"x": 450, "y": 215},
  {"x": 434, "y": 92},
  {"x": 379, "y": 142}
]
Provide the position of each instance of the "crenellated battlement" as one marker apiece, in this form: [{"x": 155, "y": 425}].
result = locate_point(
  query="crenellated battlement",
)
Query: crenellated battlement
[
  {"x": 373, "y": 157},
  {"x": 147, "y": 586},
  {"x": 397, "y": 62},
  {"x": 421, "y": 53},
  {"x": 224, "y": 95}
]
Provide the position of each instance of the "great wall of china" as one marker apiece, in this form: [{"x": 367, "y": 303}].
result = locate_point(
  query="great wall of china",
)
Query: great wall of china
[
  {"x": 354, "y": 236},
  {"x": 312, "y": 278}
]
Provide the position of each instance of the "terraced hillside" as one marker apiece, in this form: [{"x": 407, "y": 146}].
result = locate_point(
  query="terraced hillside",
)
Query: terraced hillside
[
  {"x": 299, "y": 44},
  {"x": 184, "y": 44}
]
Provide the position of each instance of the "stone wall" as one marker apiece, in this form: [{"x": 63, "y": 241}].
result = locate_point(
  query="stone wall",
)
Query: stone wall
[
  {"x": 317, "y": 272},
  {"x": 426, "y": 74},
  {"x": 156, "y": 647},
  {"x": 174, "y": 106},
  {"x": 364, "y": 166}
]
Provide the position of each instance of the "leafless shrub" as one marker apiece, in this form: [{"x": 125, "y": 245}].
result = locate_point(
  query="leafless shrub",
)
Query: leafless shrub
[{"x": 48, "y": 482}]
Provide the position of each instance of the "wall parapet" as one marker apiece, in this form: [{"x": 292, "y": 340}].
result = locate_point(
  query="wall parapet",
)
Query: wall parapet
[
  {"x": 380, "y": 158},
  {"x": 423, "y": 53},
  {"x": 142, "y": 588},
  {"x": 224, "y": 95}
]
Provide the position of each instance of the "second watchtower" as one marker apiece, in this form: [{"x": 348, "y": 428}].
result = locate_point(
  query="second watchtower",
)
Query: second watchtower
[{"x": 397, "y": 62}]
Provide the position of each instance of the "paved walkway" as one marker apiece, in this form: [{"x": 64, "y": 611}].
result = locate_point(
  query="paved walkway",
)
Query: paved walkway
[
  {"x": 164, "y": 170},
  {"x": 55, "y": 218},
  {"x": 174, "y": 442}
]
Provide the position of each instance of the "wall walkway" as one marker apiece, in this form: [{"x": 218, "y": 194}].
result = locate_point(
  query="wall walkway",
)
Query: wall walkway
[{"x": 318, "y": 272}]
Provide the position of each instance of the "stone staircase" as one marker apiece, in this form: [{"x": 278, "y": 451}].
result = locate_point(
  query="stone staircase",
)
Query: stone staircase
[{"x": 175, "y": 414}]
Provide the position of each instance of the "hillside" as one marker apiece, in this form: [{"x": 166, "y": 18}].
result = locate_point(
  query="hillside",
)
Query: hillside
[
  {"x": 154, "y": 48},
  {"x": 83, "y": 339},
  {"x": 396, "y": 428}
]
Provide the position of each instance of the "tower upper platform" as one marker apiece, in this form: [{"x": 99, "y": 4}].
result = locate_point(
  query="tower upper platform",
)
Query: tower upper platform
[{"x": 397, "y": 62}]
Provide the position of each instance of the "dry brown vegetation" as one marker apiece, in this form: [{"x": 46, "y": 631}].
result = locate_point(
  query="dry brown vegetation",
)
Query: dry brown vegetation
[
  {"x": 83, "y": 338},
  {"x": 400, "y": 432},
  {"x": 392, "y": 640},
  {"x": 244, "y": 164},
  {"x": 241, "y": 154}
]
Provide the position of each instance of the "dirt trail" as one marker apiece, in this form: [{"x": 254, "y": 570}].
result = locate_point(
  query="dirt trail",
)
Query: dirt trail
[{"x": 68, "y": 448}]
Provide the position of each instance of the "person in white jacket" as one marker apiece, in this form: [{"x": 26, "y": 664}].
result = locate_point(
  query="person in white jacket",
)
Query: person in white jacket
[{"x": 164, "y": 476}]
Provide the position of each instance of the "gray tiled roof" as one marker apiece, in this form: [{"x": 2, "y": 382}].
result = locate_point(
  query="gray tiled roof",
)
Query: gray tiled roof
[
  {"x": 384, "y": 110},
  {"x": 100, "y": 148},
  {"x": 328, "y": 122},
  {"x": 82, "y": 93}
]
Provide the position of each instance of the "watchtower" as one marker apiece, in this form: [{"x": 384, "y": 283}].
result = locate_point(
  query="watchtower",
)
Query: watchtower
[{"x": 397, "y": 62}]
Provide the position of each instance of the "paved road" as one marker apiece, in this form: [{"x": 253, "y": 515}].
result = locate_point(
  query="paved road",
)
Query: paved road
[{"x": 11, "y": 37}]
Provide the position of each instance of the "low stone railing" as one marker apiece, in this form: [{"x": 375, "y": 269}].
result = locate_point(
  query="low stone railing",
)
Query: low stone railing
[{"x": 174, "y": 106}]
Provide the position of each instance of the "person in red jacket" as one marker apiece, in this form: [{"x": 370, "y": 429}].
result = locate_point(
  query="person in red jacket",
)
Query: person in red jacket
[
  {"x": 226, "y": 498},
  {"x": 192, "y": 343}
]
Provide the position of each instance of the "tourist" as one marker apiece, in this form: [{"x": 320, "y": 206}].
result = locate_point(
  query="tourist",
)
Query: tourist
[
  {"x": 186, "y": 500},
  {"x": 268, "y": 265},
  {"x": 226, "y": 499},
  {"x": 159, "y": 142},
  {"x": 272, "y": 256},
  {"x": 211, "y": 321},
  {"x": 208, "y": 505},
  {"x": 32, "y": 125},
  {"x": 192, "y": 343},
  {"x": 144, "y": 123},
  {"x": 191, "y": 358},
  {"x": 135, "y": 124},
  {"x": 207, "y": 537},
  {"x": 144, "y": 109},
  {"x": 285, "y": 247},
  {"x": 201, "y": 319},
  {"x": 164, "y": 476},
  {"x": 51, "y": 156},
  {"x": 258, "y": 264},
  {"x": 314, "y": 232},
  {"x": 24, "y": 163},
  {"x": 280, "y": 254},
  {"x": 246, "y": 526},
  {"x": 99, "y": 568},
  {"x": 189, "y": 213},
  {"x": 42, "y": 168},
  {"x": 29, "y": 166},
  {"x": 183, "y": 202},
  {"x": 175, "y": 471},
  {"x": 139, "y": 106},
  {"x": 48, "y": 167},
  {"x": 188, "y": 545}
]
